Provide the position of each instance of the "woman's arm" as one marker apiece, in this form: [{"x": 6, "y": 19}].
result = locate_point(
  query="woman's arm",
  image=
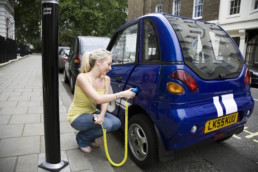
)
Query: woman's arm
[
  {"x": 104, "y": 106},
  {"x": 87, "y": 88}
]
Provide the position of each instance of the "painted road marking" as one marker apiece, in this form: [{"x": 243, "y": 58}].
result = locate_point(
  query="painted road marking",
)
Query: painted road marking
[
  {"x": 235, "y": 136},
  {"x": 250, "y": 134}
]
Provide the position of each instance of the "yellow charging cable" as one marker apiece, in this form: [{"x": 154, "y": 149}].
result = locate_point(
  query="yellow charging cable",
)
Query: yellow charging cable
[{"x": 105, "y": 140}]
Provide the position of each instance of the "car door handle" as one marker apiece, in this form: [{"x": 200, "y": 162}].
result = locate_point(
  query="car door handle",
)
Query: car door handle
[{"x": 119, "y": 78}]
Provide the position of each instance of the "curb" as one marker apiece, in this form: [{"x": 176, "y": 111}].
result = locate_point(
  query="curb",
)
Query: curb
[{"x": 14, "y": 60}]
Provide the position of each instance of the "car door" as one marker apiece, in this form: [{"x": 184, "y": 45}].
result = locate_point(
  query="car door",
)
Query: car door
[
  {"x": 124, "y": 55},
  {"x": 69, "y": 61},
  {"x": 146, "y": 74}
]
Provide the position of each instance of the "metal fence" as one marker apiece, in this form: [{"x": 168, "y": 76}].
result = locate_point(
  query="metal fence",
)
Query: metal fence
[{"x": 8, "y": 49}]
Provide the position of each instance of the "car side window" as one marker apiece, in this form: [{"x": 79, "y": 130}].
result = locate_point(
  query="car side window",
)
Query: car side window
[
  {"x": 150, "y": 43},
  {"x": 124, "y": 49}
]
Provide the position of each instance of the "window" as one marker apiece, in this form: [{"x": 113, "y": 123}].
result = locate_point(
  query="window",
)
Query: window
[
  {"x": 237, "y": 40},
  {"x": 176, "y": 7},
  {"x": 255, "y": 5},
  {"x": 235, "y": 6},
  {"x": 158, "y": 9},
  {"x": 252, "y": 48},
  {"x": 198, "y": 8},
  {"x": 124, "y": 49},
  {"x": 150, "y": 43},
  {"x": 207, "y": 49}
]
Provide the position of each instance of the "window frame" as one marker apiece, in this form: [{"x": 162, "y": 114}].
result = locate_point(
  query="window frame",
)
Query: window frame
[
  {"x": 194, "y": 2},
  {"x": 253, "y": 9},
  {"x": 117, "y": 35},
  {"x": 229, "y": 11},
  {"x": 157, "y": 8},
  {"x": 157, "y": 62},
  {"x": 178, "y": 7}
]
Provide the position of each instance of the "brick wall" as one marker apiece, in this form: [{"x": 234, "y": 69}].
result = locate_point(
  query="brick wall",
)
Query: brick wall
[
  {"x": 210, "y": 10},
  {"x": 186, "y": 8},
  {"x": 137, "y": 8}
]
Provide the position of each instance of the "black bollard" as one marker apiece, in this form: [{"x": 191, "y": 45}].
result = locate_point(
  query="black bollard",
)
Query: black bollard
[{"x": 50, "y": 10}]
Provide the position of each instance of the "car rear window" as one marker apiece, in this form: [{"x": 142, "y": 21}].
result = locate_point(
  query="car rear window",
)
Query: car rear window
[
  {"x": 90, "y": 44},
  {"x": 207, "y": 49}
]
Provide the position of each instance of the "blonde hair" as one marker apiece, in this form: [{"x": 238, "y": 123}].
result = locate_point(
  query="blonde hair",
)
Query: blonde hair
[{"x": 89, "y": 59}]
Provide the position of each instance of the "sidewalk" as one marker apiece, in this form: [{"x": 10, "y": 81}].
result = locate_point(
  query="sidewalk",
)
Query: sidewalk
[{"x": 22, "y": 145}]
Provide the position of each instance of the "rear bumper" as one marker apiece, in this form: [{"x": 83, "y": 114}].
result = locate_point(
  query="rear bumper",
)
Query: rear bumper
[
  {"x": 166, "y": 155},
  {"x": 174, "y": 125}
]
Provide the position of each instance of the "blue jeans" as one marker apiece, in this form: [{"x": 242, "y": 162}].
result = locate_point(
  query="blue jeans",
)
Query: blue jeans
[{"x": 88, "y": 131}]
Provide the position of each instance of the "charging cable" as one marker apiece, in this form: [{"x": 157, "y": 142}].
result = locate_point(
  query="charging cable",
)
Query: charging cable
[{"x": 135, "y": 90}]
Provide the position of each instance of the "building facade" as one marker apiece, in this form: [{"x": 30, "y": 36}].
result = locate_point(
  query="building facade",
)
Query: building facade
[
  {"x": 238, "y": 17},
  {"x": 208, "y": 11},
  {"x": 7, "y": 24}
]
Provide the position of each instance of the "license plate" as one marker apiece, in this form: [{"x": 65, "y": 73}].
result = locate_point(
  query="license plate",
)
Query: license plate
[{"x": 220, "y": 122}]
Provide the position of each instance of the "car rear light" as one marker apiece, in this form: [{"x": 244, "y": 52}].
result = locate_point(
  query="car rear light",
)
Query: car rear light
[
  {"x": 77, "y": 59},
  {"x": 175, "y": 88},
  {"x": 247, "y": 79},
  {"x": 186, "y": 78}
]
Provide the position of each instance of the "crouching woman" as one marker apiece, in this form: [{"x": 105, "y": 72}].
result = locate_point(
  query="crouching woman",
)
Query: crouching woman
[{"x": 92, "y": 88}]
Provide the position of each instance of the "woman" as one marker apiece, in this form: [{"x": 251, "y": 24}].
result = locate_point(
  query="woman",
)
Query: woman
[{"x": 92, "y": 88}]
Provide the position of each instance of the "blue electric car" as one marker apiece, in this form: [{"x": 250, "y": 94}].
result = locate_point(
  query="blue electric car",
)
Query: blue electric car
[{"x": 194, "y": 84}]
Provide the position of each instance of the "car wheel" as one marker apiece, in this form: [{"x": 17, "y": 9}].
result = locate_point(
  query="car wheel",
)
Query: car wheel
[
  {"x": 72, "y": 84},
  {"x": 142, "y": 141},
  {"x": 61, "y": 70},
  {"x": 66, "y": 80}
]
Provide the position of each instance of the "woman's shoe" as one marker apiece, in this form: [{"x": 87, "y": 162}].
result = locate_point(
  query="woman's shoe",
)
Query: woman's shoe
[{"x": 86, "y": 149}]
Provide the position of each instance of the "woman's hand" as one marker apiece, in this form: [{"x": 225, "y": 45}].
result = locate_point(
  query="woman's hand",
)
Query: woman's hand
[
  {"x": 128, "y": 94},
  {"x": 99, "y": 119}
]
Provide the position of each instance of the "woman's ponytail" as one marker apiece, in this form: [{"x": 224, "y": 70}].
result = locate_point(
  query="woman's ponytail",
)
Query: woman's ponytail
[
  {"x": 85, "y": 64},
  {"x": 89, "y": 59}
]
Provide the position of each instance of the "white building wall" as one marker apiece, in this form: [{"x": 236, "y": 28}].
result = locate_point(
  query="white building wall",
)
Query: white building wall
[
  {"x": 7, "y": 23},
  {"x": 236, "y": 25}
]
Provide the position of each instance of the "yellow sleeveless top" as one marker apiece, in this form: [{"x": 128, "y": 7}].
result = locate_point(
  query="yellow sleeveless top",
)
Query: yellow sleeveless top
[{"x": 82, "y": 103}]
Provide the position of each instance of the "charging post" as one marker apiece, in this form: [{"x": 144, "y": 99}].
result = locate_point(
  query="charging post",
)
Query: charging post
[{"x": 50, "y": 12}]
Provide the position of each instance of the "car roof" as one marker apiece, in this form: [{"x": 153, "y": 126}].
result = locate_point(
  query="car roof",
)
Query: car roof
[
  {"x": 92, "y": 37},
  {"x": 160, "y": 16},
  {"x": 90, "y": 43},
  {"x": 63, "y": 47}
]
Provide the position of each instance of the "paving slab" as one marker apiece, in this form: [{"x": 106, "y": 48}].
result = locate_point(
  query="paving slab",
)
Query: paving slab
[
  {"x": 9, "y": 131},
  {"x": 14, "y": 110},
  {"x": 19, "y": 146},
  {"x": 27, "y": 163},
  {"x": 77, "y": 161},
  {"x": 36, "y": 129},
  {"x": 4, "y": 119},
  {"x": 7, "y": 164},
  {"x": 25, "y": 119}
]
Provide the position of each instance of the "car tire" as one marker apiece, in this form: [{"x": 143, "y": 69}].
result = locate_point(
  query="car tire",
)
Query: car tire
[
  {"x": 66, "y": 80},
  {"x": 142, "y": 141},
  {"x": 72, "y": 84},
  {"x": 61, "y": 70}
]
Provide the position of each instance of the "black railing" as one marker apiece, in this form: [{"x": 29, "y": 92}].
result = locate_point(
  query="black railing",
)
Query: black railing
[{"x": 8, "y": 49}]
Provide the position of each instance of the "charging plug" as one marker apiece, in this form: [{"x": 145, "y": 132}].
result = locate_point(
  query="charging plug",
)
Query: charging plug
[{"x": 135, "y": 90}]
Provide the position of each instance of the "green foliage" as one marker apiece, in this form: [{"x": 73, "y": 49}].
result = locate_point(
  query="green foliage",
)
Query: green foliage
[
  {"x": 76, "y": 17},
  {"x": 27, "y": 15}
]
